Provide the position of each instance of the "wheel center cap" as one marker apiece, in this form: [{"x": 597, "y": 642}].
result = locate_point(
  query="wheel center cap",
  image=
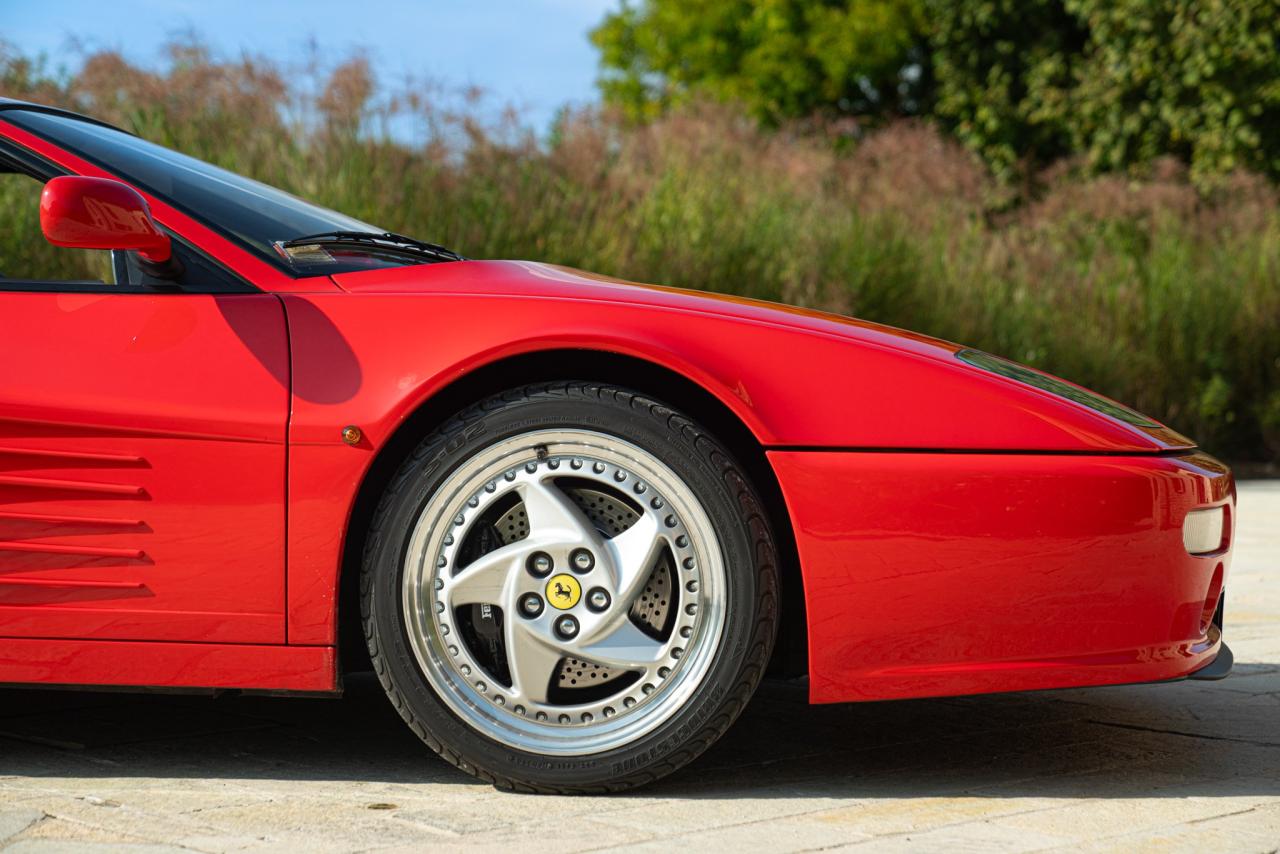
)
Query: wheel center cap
[{"x": 563, "y": 591}]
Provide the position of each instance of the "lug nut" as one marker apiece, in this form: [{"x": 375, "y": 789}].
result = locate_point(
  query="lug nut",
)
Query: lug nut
[
  {"x": 540, "y": 564},
  {"x": 598, "y": 599},
  {"x": 531, "y": 604},
  {"x": 582, "y": 560},
  {"x": 567, "y": 627}
]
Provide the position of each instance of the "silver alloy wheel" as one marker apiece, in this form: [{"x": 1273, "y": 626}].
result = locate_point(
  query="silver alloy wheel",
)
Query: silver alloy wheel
[{"x": 611, "y": 518}]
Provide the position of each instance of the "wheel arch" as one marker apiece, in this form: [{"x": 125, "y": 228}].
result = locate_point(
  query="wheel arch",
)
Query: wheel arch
[{"x": 660, "y": 382}]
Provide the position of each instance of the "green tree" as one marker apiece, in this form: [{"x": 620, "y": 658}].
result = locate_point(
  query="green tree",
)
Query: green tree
[
  {"x": 1120, "y": 82},
  {"x": 1003, "y": 69},
  {"x": 1199, "y": 80},
  {"x": 781, "y": 58}
]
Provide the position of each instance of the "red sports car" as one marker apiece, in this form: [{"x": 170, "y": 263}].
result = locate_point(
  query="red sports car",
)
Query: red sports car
[{"x": 565, "y": 517}]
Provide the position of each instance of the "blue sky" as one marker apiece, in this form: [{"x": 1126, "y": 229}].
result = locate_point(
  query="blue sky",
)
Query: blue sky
[{"x": 533, "y": 54}]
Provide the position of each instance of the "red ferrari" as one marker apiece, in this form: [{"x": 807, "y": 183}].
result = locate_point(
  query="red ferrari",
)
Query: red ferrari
[{"x": 247, "y": 443}]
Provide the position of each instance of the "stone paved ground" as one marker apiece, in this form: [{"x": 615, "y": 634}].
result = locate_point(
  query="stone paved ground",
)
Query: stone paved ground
[{"x": 1192, "y": 766}]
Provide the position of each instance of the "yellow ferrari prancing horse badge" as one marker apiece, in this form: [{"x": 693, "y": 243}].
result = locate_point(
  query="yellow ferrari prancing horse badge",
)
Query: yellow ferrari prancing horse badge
[{"x": 563, "y": 591}]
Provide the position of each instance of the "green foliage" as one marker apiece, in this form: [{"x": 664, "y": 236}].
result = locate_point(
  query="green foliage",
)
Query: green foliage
[
  {"x": 1200, "y": 80},
  {"x": 1120, "y": 82},
  {"x": 1268, "y": 414},
  {"x": 781, "y": 58},
  {"x": 1003, "y": 68},
  {"x": 23, "y": 250},
  {"x": 1148, "y": 290}
]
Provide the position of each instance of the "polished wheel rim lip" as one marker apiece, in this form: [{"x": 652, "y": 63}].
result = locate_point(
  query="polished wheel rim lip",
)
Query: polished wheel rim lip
[{"x": 671, "y": 674}]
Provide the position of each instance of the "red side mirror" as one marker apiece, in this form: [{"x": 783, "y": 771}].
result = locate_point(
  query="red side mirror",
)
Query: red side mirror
[{"x": 99, "y": 213}]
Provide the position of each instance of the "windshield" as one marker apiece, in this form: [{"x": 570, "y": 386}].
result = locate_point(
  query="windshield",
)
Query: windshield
[{"x": 255, "y": 214}]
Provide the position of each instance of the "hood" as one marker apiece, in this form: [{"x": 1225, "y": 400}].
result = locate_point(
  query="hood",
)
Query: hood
[{"x": 551, "y": 281}]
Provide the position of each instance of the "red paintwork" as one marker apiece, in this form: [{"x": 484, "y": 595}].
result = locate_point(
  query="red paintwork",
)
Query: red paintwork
[
  {"x": 169, "y": 665},
  {"x": 142, "y": 464},
  {"x": 99, "y": 213},
  {"x": 964, "y": 573},
  {"x": 454, "y": 318},
  {"x": 794, "y": 377},
  {"x": 172, "y": 475}
]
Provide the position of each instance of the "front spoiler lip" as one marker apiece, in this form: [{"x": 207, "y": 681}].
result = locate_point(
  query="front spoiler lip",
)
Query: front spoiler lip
[
  {"x": 1222, "y": 663},
  {"x": 1219, "y": 668}
]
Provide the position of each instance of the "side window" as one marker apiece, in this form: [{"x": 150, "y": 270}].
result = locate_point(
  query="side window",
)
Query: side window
[{"x": 25, "y": 256}]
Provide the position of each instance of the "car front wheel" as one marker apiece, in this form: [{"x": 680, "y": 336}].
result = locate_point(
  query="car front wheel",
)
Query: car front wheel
[{"x": 569, "y": 588}]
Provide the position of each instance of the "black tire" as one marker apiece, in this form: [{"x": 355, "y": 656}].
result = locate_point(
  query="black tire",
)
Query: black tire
[{"x": 740, "y": 525}]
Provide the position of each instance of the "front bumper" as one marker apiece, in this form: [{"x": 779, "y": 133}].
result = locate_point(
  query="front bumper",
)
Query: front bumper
[{"x": 930, "y": 574}]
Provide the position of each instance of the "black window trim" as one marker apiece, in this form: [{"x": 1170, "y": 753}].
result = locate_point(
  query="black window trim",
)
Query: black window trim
[{"x": 28, "y": 162}]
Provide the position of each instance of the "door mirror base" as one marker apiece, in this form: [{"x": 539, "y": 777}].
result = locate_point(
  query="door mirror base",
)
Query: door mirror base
[{"x": 170, "y": 269}]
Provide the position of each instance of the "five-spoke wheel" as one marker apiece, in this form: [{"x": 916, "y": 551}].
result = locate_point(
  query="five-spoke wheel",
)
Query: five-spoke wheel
[{"x": 564, "y": 586}]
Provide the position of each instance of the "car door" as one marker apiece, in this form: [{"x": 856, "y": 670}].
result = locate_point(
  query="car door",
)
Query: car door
[{"x": 142, "y": 442}]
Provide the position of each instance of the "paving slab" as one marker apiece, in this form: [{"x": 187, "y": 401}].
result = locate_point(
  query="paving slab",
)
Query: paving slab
[{"x": 1191, "y": 766}]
